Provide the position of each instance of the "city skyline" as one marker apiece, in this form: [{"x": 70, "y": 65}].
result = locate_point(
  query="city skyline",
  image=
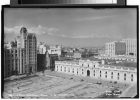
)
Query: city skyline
[{"x": 72, "y": 27}]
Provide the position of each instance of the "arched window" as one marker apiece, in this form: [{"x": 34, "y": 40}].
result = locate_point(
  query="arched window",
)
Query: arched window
[
  {"x": 132, "y": 77},
  {"x": 105, "y": 74},
  {"x": 82, "y": 64},
  {"x": 125, "y": 76}
]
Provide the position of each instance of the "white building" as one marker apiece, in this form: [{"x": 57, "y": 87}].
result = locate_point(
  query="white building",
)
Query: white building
[
  {"x": 42, "y": 49},
  {"x": 97, "y": 71},
  {"x": 131, "y": 46},
  {"x": 115, "y": 48},
  {"x": 55, "y": 50},
  {"x": 8, "y": 45}
]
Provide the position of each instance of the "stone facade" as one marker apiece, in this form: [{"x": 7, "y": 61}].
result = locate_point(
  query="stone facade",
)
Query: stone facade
[
  {"x": 115, "y": 48},
  {"x": 96, "y": 70}
]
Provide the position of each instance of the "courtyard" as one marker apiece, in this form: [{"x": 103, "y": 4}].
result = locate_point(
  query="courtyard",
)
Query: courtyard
[{"x": 58, "y": 86}]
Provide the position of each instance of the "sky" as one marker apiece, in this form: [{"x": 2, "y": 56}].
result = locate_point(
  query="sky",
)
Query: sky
[{"x": 77, "y": 27}]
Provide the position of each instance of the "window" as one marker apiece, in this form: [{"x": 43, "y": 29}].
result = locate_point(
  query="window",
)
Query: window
[
  {"x": 125, "y": 76},
  {"x": 94, "y": 73},
  {"x": 105, "y": 74},
  {"x": 69, "y": 69},
  {"x": 82, "y": 64},
  {"x": 131, "y": 77},
  {"x": 61, "y": 68},
  {"x": 82, "y": 71},
  {"x": 111, "y": 75},
  {"x": 64, "y": 69},
  {"x": 118, "y": 76},
  {"x": 73, "y": 70},
  {"x": 100, "y": 73},
  {"x": 88, "y": 65}
]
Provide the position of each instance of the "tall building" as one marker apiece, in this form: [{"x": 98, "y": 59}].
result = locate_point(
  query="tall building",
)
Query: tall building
[
  {"x": 115, "y": 48},
  {"x": 31, "y": 53},
  {"x": 22, "y": 57},
  {"x": 131, "y": 46}
]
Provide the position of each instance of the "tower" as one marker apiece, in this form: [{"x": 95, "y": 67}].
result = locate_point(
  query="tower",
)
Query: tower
[
  {"x": 31, "y": 53},
  {"x": 28, "y": 43}
]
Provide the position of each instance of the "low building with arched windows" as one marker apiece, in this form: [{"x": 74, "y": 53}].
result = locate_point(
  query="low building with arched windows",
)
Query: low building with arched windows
[{"x": 96, "y": 70}]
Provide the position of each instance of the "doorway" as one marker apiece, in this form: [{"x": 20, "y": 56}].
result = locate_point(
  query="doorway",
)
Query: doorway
[{"x": 88, "y": 73}]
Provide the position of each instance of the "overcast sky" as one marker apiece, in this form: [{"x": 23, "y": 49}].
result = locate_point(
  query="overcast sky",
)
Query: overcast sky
[{"x": 72, "y": 26}]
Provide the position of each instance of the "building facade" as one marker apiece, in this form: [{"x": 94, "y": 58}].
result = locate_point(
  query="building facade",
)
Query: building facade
[
  {"x": 31, "y": 53},
  {"x": 42, "y": 49},
  {"x": 22, "y": 57},
  {"x": 7, "y": 63},
  {"x": 131, "y": 46},
  {"x": 96, "y": 70},
  {"x": 54, "y": 50},
  {"x": 115, "y": 48},
  {"x": 77, "y": 55}
]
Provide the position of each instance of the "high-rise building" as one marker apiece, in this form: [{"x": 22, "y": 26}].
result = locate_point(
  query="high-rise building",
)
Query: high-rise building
[
  {"x": 115, "y": 48},
  {"x": 28, "y": 42},
  {"x": 131, "y": 46},
  {"x": 31, "y": 53},
  {"x": 22, "y": 57}
]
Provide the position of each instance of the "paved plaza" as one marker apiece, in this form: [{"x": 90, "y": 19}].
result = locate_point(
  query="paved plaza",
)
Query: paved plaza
[{"x": 56, "y": 85}]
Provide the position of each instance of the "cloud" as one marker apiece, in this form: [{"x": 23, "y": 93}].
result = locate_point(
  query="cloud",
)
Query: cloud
[
  {"x": 74, "y": 36},
  {"x": 39, "y": 30},
  {"x": 15, "y": 30},
  {"x": 88, "y": 35},
  {"x": 94, "y": 18}
]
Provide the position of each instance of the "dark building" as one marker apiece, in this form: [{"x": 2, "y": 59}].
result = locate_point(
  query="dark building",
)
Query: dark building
[
  {"x": 41, "y": 62},
  {"x": 53, "y": 58}
]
